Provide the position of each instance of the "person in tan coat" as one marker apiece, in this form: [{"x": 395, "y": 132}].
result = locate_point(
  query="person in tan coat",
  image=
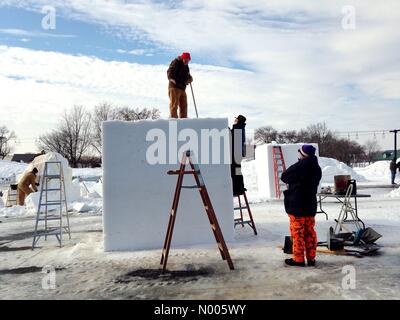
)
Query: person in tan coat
[{"x": 26, "y": 185}]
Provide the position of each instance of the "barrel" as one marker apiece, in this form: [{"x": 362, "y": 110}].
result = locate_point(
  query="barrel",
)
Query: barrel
[{"x": 341, "y": 183}]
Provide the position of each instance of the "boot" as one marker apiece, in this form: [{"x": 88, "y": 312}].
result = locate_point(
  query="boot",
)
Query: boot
[
  {"x": 291, "y": 262},
  {"x": 311, "y": 263}
]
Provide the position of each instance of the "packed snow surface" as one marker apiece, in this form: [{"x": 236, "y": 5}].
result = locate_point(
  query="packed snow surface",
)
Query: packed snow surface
[{"x": 85, "y": 271}]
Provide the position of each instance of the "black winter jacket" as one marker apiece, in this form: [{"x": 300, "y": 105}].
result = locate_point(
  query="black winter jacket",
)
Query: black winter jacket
[
  {"x": 303, "y": 179},
  {"x": 239, "y": 146},
  {"x": 179, "y": 72}
]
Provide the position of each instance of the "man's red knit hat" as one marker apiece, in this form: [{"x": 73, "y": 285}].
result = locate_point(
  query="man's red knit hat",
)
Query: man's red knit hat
[{"x": 185, "y": 55}]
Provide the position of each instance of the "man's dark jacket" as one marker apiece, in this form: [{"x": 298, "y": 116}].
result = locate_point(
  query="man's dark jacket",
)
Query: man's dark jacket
[
  {"x": 179, "y": 72},
  {"x": 239, "y": 148},
  {"x": 238, "y": 131},
  {"x": 303, "y": 179}
]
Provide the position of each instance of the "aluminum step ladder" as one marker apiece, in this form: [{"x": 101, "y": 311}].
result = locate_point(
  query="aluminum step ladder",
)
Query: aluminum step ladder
[
  {"x": 279, "y": 168},
  {"x": 241, "y": 221},
  {"x": 345, "y": 210},
  {"x": 54, "y": 201},
  {"x": 200, "y": 185}
]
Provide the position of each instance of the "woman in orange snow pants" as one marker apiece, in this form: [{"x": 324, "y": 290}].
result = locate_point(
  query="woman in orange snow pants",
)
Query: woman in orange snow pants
[{"x": 304, "y": 238}]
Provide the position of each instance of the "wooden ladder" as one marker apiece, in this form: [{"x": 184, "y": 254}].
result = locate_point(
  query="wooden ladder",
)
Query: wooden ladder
[
  {"x": 247, "y": 207},
  {"x": 195, "y": 171},
  {"x": 279, "y": 167}
]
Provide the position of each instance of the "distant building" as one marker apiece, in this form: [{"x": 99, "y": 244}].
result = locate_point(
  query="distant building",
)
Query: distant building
[
  {"x": 387, "y": 155},
  {"x": 25, "y": 157}
]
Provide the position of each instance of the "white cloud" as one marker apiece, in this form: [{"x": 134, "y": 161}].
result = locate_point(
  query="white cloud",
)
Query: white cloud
[
  {"x": 137, "y": 52},
  {"x": 39, "y": 85},
  {"x": 25, "y": 33},
  {"x": 304, "y": 66}
]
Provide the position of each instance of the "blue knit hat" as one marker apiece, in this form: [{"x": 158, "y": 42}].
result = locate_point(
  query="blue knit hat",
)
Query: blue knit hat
[{"x": 307, "y": 150}]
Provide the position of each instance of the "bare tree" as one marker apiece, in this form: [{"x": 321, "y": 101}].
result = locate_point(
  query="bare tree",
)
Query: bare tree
[
  {"x": 106, "y": 111},
  {"x": 265, "y": 134},
  {"x": 288, "y": 136},
  {"x": 135, "y": 114},
  {"x": 7, "y": 137},
  {"x": 102, "y": 112},
  {"x": 72, "y": 138},
  {"x": 372, "y": 148},
  {"x": 319, "y": 133}
]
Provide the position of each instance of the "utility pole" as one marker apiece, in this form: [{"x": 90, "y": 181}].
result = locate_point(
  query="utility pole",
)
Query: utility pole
[{"x": 395, "y": 143}]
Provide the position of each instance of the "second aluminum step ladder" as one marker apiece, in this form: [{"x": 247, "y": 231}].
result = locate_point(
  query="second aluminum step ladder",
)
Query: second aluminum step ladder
[
  {"x": 279, "y": 168},
  {"x": 195, "y": 171},
  {"x": 53, "y": 202}
]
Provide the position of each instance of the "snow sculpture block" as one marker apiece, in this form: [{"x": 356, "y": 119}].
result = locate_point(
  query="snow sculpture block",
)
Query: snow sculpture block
[
  {"x": 71, "y": 188},
  {"x": 265, "y": 165},
  {"x": 138, "y": 193}
]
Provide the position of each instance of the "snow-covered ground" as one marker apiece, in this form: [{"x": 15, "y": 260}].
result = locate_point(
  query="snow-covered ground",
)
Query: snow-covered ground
[{"x": 84, "y": 270}]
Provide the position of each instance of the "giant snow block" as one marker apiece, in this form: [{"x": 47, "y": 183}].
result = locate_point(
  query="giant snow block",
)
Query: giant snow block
[
  {"x": 265, "y": 165},
  {"x": 138, "y": 195}
]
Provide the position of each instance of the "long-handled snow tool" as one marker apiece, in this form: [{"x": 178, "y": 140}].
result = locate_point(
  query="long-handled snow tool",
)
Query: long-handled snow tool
[{"x": 194, "y": 101}]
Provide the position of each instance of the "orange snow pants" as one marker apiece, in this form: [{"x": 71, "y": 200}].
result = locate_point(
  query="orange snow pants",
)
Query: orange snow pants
[{"x": 304, "y": 237}]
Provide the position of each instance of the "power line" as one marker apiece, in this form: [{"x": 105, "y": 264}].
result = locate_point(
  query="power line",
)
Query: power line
[{"x": 367, "y": 131}]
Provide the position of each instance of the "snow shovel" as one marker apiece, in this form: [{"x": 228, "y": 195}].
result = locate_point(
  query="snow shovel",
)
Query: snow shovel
[{"x": 194, "y": 101}]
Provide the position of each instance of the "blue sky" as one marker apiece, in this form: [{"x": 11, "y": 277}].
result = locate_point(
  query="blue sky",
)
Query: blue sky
[
  {"x": 85, "y": 38},
  {"x": 76, "y": 37},
  {"x": 285, "y": 63}
]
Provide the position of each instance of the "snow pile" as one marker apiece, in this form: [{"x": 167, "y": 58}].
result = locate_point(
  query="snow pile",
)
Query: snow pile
[
  {"x": 81, "y": 207},
  {"x": 72, "y": 190},
  {"x": 77, "y": 192},
  {"x": 250, "y": 181},
  {"x": 90, "y": 189},
  {"x": 378, "y": 171},
  {"x": 10, "y": 170},
  {"x": 393, "y": 194},
  {"x": 93, "y": 174},
  {"x": 15, "y": 211},
  {"x": 332, "y": 167}
]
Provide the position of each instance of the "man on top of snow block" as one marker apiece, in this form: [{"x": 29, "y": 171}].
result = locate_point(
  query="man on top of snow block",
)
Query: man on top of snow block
[
  {"x": 303, "y": 179},
  {"x": 179, "y": 77}
]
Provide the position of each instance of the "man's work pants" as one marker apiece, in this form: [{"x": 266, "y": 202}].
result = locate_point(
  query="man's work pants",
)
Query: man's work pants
[
  {"x": 177, "y": 99},
  {"x": 21, "y": 194}
]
